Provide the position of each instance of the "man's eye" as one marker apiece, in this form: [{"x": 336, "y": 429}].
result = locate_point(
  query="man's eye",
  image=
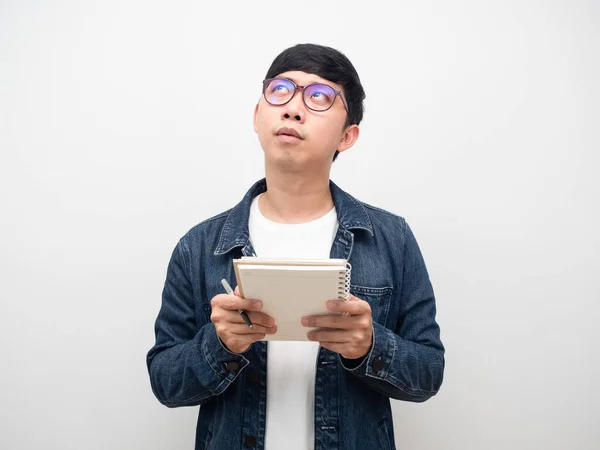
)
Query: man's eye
[
  {"x": 320, "y": 96},
  {"x": 280, "y": 88}
]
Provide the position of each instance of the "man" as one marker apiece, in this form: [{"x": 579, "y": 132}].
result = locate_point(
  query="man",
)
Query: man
[{"x": 332, "y": 392}]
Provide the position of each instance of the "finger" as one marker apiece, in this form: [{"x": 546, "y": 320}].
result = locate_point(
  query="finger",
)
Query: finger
[
  {"x": 328, "y": 335},
  {"x": 257, "y": 319},
  {"x": 245, "y": 338},
  {"x": 228, "y": 316},
  {"x": 332, "y": 321},
  {"x": 243, "y": 329},
  {"x": 260, "y": 318},
  {"x": 236, "y": 291},
  {"x": 353, "y": 307},
  {"x": 235, "y": 303}
]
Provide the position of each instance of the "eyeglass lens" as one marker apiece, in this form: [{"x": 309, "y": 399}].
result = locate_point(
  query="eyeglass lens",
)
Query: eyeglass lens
[{"x": 318, "y": 97}]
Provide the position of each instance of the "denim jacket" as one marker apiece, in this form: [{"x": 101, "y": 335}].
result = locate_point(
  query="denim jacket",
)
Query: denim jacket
[{"x": 189, "y": 365}]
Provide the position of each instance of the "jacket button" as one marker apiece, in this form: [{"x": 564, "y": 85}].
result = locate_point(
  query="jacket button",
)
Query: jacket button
[
  {"x": 232, "y": 366},
  {"x": 250, "y": 441},
  {"x": 253, "y": 376},
  {"x": 377, "y": 365}
]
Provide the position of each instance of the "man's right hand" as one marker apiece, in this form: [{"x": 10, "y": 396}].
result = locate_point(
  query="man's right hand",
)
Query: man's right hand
[{"x": 230, "y": 326}]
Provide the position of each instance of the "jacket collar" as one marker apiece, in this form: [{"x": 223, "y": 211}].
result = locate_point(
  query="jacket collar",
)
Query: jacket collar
[{"x": 351, "y": 214}]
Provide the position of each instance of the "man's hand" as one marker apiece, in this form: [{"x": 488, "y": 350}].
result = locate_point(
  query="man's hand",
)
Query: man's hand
[
  {"x": 350, "y": 335},
  {"x": 230, "y": 326}
]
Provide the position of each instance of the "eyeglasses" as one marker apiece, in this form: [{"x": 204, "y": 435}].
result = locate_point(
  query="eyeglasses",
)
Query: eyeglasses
[{"x": 317, "y": 97}]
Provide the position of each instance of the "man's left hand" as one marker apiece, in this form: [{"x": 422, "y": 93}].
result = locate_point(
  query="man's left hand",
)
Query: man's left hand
[{"x": 350, "y": 335}]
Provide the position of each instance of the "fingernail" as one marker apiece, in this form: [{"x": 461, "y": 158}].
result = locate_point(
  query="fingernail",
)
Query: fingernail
[
  {"x": 332, "y": 304},
  {"x": 305, "y": 321},
  {"x": 257, "y": 304}
]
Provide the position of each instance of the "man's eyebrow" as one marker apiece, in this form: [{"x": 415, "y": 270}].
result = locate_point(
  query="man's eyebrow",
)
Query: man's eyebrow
[{"x": 307, "y": 84}]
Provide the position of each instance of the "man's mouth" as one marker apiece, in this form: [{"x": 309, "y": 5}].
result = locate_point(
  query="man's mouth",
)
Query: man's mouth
[{"x": 288, "y": 132}]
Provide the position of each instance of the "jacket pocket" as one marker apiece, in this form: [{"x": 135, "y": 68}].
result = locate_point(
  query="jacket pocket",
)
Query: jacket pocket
[{"x": 378, "y": 299}]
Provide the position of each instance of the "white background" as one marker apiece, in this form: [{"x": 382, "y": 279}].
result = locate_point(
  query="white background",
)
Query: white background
[{"x": 124, "y": 123}]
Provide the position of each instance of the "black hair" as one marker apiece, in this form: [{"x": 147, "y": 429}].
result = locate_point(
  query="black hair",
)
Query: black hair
[{"x": 327, "y": 63}]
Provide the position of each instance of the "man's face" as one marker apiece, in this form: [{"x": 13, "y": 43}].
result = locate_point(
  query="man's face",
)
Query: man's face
[{"x": 318, "y": 134}]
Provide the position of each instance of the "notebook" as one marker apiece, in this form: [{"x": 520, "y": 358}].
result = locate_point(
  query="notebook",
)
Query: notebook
[{"x": 292, "y": 288}]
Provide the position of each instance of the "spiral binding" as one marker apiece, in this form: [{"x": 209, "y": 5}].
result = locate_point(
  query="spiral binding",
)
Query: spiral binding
[{"x": 344, "y": 284}]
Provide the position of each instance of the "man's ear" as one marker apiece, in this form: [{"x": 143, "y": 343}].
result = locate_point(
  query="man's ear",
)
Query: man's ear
[
  {"x": 348, "y": 138},
  {"x": 254, "y": 119}
]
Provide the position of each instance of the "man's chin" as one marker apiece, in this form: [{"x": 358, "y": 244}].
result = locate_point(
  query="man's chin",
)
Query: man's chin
[{"x": 292, "y": 160}]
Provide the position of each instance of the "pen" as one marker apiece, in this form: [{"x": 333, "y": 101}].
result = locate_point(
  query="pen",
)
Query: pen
[{"x": 243, "y": 313}]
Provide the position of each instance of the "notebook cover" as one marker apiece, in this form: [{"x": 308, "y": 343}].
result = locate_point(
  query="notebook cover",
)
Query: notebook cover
[{"x": 290, "y": 292}]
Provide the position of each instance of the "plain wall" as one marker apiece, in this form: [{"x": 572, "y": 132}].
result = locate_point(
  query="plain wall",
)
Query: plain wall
[{"x": 124, "y": 123}]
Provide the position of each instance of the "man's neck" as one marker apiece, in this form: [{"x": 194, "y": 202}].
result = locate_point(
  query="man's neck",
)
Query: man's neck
[{"x": 295, "y": 197}]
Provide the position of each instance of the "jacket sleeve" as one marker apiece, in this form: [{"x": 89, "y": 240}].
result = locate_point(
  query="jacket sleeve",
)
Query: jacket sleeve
[
  {"x": 406, "y": 363},
  {"x": 188, "y": 365}
]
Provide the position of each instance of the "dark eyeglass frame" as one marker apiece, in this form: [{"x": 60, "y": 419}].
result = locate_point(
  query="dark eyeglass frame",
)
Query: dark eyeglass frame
[{"x": 303, "y": 88}]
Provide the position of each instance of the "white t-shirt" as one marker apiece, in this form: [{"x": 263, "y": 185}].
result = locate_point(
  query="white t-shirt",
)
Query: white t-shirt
[{"x": 291, "y": 366}]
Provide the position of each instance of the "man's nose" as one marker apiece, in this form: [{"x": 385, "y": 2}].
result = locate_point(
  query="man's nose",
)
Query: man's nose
[{"x": 295, "y": 108}]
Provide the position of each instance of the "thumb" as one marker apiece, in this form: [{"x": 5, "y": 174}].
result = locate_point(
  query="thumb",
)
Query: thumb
[{"x": 236, "y": 291}]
